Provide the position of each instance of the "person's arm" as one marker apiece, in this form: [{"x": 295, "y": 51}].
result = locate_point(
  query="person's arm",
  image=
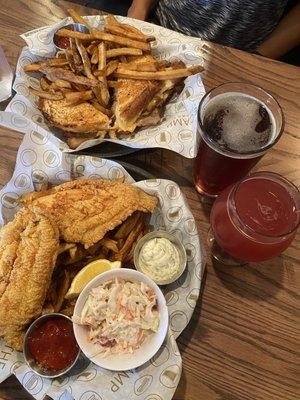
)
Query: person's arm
[
  {"x": 285, "y": 36},
  {"x": 140, "y": 9}
]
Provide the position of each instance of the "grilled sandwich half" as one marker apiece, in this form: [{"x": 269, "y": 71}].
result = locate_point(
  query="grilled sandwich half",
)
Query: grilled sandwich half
[
  {"x": 138, "y": 102},
  {"x": 80, "y": 118}
]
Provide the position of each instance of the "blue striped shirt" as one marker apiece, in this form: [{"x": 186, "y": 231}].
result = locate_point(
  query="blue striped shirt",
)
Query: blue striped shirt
[{"x": 243, "y": 24}]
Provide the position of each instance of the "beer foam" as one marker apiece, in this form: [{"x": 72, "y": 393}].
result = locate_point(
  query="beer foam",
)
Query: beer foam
[{"x": 240, "y": 116}]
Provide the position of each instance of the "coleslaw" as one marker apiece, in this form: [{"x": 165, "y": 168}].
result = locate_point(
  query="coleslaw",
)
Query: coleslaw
[{"x": 120, "y": 315}]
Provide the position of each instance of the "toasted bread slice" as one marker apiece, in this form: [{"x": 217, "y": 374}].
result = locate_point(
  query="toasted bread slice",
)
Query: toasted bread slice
[
  {"x": 80, "y": 118},
  {"x": 132, "y": 98},
  {"x": 137, "y": 102}
]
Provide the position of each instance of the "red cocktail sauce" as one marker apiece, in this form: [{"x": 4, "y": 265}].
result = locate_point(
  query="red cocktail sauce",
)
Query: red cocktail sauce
[
  {"x": 63, "y": 42},
  {"x": 53, "y": 344}
]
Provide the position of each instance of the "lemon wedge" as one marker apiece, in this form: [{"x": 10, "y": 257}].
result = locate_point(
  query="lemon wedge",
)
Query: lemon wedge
[{"x": 87, "y": 273}]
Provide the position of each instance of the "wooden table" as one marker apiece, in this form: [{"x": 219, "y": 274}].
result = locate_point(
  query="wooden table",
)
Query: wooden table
[{"x": 243, "y": 340}]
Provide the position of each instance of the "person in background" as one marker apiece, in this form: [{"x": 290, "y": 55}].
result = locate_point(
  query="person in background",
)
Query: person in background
[
  {"x": 110, "y": 6},
  {"x": 251, "y": 25}
]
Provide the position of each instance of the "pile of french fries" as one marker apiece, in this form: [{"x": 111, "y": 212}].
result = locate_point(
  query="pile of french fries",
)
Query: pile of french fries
[
  {"x": 88, "y": 71},
  {"x": 117, "y": 245}
]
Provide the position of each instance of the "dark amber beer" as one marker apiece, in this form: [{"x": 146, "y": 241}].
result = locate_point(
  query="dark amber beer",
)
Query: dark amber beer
[{"x": 237, "y": 124}]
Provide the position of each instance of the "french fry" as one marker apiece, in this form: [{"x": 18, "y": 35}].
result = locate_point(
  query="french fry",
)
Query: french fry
[
  {"x": 75, "y": 34},
  {"x": 55, "y": 89},
  {"x": 95, "y": 56},
  {"x": 122, "y": 40},
  {"x": 78, "y": 18},
  {"x": 60, "y": 83},
  {"x": 111, "y": 19},
  {"x": 104, "y": 110},
  {"x": 73, "y": 98},
  {"x": 58, "y": 73},
  {"x": 110, "y": 68},
  {"x": 123, "y": 51},
  {"x": 63, "y": 247},
  {"x": 92, "y": 250},
  {"x": 75, "y": 55},
  {"x": 104, "y": 36},
  {"x": 34, "y": 67},
  {"x": 100, "y": 94},
  {"x": 54, "y": 62},
  {"x": 74, "y": 251},
  {"x": 76, "y": 254},
  {"x": 129, "y": 256},
  {"x": 127, "y": 226},
  {"x": 131, "y": 238},
  {"x": 90, "y": 49},
  {"x": 122, "y": 31},
  {"x": 79, "y": 88},
  {"x": 110, "y": 244},
  {"x": 46, "y": 95},
  {"x": 133, "y": 29},
  {"x": 104, "y": 90},
  {"x": 70, "y": 60},
  {"x": 44, "y": 84},
  {"x": 101, "y": 56},
  {"x": 64, "y": 285},
  {"x": 142, "y": 66},
  {"x": 85, "y": 59},
  {"x": 121, "y": 242},
  {"x": 158, "y": 75}
]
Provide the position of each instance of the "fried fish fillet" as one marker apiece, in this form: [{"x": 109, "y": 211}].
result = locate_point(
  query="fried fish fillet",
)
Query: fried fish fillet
[
  {"x": 80, "y": 118},
  {"x": 84, "y": 210},
  {"x": 29, "y": 246},
  {"x": 9, "y": 243}
]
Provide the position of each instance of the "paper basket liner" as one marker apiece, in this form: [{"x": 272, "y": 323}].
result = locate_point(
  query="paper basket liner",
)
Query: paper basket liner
[
  {"x": 178, "y": 129},
  {"x": 39, "y": 160}
]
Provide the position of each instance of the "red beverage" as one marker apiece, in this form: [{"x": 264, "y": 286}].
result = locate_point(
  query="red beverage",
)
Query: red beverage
[
  {"x": 256, "y": 219},
  {"x": 237, "y": 123}
]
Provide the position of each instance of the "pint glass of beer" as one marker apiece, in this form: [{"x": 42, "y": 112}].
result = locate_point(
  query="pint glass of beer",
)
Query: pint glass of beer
[{"x": 237, "y": 124}]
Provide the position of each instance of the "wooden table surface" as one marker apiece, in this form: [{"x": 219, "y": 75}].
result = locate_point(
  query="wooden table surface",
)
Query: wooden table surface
[{"x": 243, "y": 340}]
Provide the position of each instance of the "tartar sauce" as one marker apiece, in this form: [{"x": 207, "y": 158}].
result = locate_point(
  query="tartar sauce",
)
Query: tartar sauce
[{"x": 159, "y": 258}]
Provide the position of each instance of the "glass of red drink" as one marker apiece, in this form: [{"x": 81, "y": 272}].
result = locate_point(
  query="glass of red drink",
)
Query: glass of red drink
[
  {"x": 255, "y": 219},
  {"x": 237, "y": 124}
]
